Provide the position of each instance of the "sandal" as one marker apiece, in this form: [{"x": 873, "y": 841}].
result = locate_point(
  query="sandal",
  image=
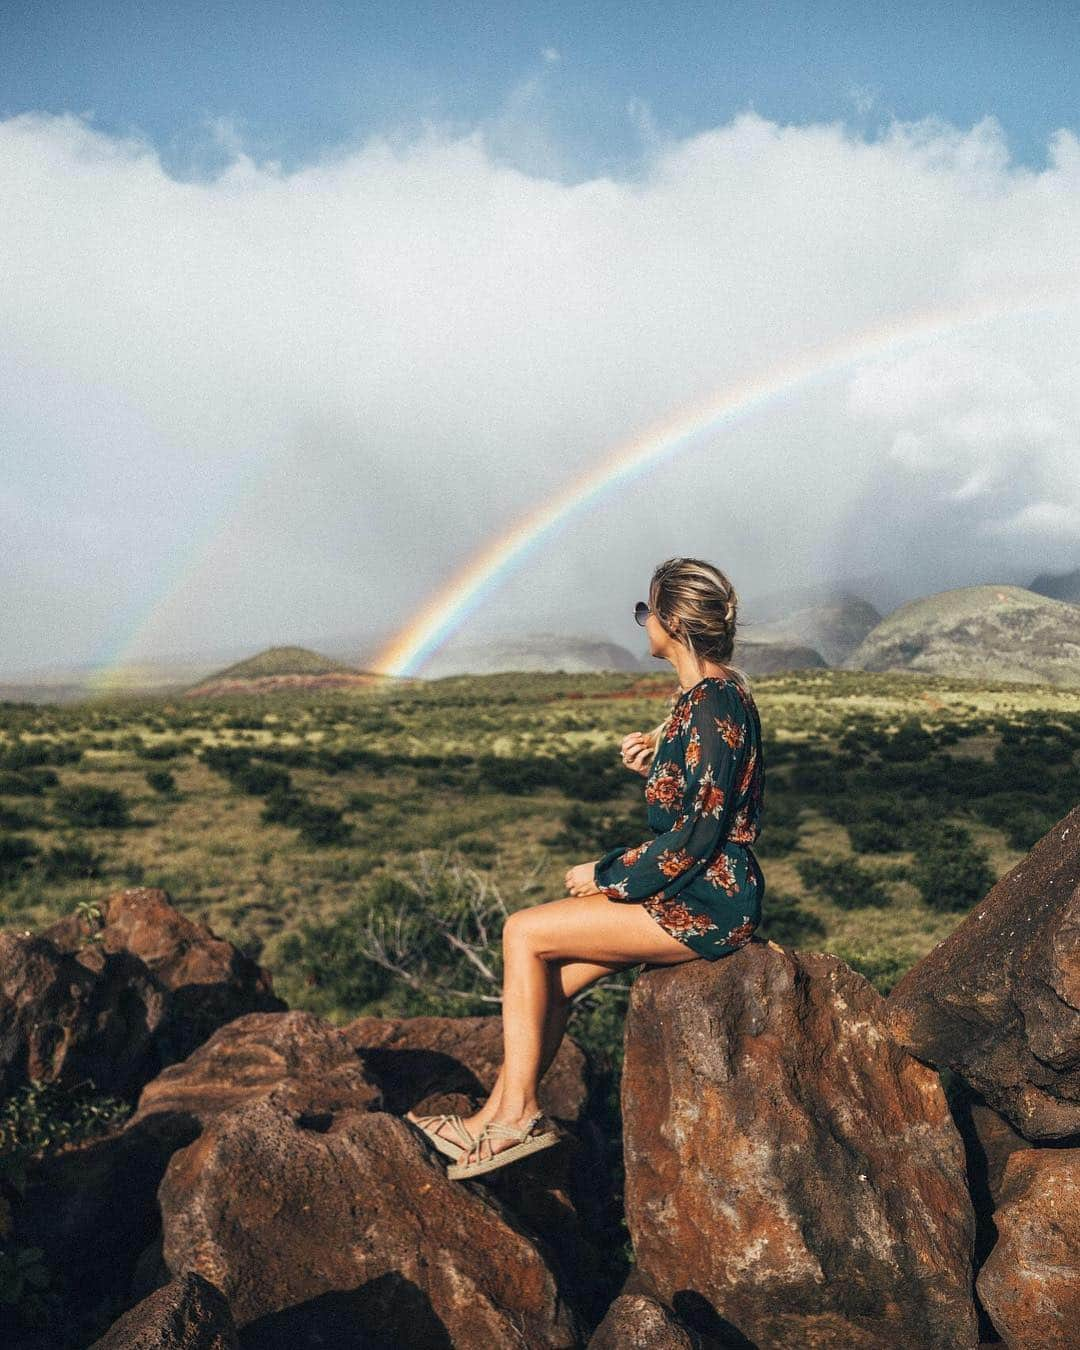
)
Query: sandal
[
  {"x": 527, "y": 1143},
  {"x": 441, "y": 1142}
]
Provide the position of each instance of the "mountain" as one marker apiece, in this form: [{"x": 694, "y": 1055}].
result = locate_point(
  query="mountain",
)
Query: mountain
[
  {"x": 978, "y": 632},
  {"x": 279, "y": 668},
  {"x": 772, "y": 658},
  {"x": 538, "y": 651},
  {"x": 1058, "y": 585},
  {"x": 832, "y": 627}
]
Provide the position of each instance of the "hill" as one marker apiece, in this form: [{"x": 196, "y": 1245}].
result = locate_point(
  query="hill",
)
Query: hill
[
  {"x": 279, "y": 668},
  {"x": 547, "y": 652},
  {"x": 833, "y": 627},
  {"x": 978, "y": 632}
]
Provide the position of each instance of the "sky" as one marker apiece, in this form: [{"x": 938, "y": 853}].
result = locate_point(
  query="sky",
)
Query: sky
[{"x": 305, "y": 305}]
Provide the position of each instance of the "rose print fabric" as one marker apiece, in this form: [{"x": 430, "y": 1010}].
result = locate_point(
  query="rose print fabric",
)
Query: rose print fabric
[{"x": 697, "y": 876}]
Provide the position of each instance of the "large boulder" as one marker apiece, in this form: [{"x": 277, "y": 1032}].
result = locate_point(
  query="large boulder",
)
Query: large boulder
[
  {"x": 344, "y": 1230},
  {"x": 432, "y": 1064},
  {"x": 998, "y": 1000},
  {"x": 119, "y": 1010},
  {"x": 1030, "y": 1282},
  {"x": 793, "y": 1176},
  {"x": 93, "y": 1207}
]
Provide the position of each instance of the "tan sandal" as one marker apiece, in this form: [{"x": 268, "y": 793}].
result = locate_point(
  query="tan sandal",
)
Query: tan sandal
[
  {"x": 441, "y": 1142},
  {"x": 527, "y": 1143}
]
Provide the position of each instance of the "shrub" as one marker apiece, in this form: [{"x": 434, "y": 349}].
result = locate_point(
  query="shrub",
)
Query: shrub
[
  {"x": 93, "y": 807},
  {"x": 162, "y": 750},
  {"x": 161, "y": 780},
  {"x": 950, "y": 871},
  {"x": 15, "y": 854},
  {"x": 785, "y": 921},
  {"x": 69, "y": 861},
  {"x": 876, "y": 835},
  {"x": 843, "y": 881}
]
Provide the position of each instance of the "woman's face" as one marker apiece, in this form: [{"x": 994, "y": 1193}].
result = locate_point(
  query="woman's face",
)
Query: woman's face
[{"x": 660, "y": 640}]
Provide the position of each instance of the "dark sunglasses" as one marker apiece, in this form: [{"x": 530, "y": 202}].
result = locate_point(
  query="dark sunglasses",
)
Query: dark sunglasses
[{"x": 642, "y": 612}]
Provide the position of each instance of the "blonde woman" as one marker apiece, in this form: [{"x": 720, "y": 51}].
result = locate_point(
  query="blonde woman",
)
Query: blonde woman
[{"x": 691, "y": 890}]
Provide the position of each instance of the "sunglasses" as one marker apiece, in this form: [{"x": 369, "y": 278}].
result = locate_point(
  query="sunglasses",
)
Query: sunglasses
[{"x": 642, "y": 611}]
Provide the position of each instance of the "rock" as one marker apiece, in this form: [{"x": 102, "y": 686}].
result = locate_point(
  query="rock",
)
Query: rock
[
  {"x": 637, "y": 1322},
  {"x": 998, "y": 1000},
  {"x": 432, "y": 1064},
  {"x": 793, "y": 1176},
  {"x": 1030, "y": 1283},
  {"x": 306, "y": 1060},
  {"x": 189, "y": 1313},
  {"x": 118, "y": 1011},
  {"x": 347, "y": 1229}
]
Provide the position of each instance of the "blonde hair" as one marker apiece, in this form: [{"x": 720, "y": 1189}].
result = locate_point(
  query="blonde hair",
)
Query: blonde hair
[{"x": 702, "y": 601}]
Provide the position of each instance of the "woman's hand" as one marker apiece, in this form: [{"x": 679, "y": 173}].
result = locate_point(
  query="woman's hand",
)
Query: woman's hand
[
  {"x": 637, "y": 752},
  {"x": 579, "y": 880}
]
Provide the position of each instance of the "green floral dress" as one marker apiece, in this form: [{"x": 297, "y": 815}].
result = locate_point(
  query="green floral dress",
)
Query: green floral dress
[{"x": 699, "y": 878}]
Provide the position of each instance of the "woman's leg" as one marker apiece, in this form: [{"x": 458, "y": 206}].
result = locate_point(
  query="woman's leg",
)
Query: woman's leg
[
  {"x": 567, "y": 979},
  {"x": 590, "y": 929}
]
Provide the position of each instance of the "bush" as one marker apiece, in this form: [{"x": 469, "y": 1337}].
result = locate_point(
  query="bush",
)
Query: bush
[
  {"x": 161, "y": 780},
  {"x": 785, "y": 921},
  {"x": 876, "y": 836},
  {"x": 93, "y": 807},
  {"x": 950, "y": 871},
  {"x": 843, "y": 881},
  {"x": 162, "y": 750},
  {"x": 70, "y": 861},
  {"x": 15, "y": 854}
]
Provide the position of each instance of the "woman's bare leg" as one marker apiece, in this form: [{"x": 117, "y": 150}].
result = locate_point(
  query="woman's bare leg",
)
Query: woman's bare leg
[{"x": 587, "y": 929}]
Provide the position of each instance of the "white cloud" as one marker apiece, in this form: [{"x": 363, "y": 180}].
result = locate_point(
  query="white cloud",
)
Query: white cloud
[{"x": 302, "y": 401}]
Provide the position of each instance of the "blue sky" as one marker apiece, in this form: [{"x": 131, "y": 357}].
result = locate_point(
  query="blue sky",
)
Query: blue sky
[
  {"x": 297, "y": 78},
  {"x": 311, "y": 302}
]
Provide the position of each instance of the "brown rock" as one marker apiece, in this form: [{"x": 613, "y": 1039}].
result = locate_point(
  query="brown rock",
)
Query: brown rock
[
  {"x": 998, "y": 1000},
  {"x": 189, "y": 1313},
  {"x": 792, "y": 1175},
  {"x": 306, "y": 1059},
  {"x": 1030, "y": 1283},
  {"x": 432, "y": 1064},
  {"x": 637, "y": 1322},
  {"x": 118, "y": 1011},
  {"x": 350, "y": 1229}
]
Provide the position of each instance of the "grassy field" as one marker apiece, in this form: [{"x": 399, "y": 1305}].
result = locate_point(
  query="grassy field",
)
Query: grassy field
[{"x": 365, "y": 844}]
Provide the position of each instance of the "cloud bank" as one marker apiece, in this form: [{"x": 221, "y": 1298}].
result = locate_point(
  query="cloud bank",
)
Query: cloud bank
[{"x": 266, "y": 406}]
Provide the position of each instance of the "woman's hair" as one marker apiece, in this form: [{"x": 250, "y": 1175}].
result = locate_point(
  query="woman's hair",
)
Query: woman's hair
[{"x": 699, "y": 599}]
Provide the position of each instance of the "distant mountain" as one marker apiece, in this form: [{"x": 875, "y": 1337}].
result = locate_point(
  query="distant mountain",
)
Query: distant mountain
[
  {"x": 538, "y": 651},
  {"x": 978, "y": 632},
  {"x": 832, "y": 627},
  {"x": 1058, "y": 585},
  {"x": 279, "y": 668},
  {"x": 772, "y": 658}
]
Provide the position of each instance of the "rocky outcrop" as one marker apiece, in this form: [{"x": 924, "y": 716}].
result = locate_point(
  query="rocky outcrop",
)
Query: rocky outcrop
[
  {"x": 119, "y": 1010},
  {"x": 325, "y": 1229},
  {"x": 188, "y": 1313},
  {"x": 793, "y": 1176},
  {"x": 1030, "y": 1283},
  {"x": 998, "y": 1000}
]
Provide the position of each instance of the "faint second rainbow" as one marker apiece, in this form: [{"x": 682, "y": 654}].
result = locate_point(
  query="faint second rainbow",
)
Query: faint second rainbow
[{"x": 444, "y": 611}]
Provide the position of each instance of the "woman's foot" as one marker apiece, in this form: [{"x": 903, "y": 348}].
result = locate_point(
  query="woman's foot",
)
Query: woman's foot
[{"x": 496, "y": 1143}]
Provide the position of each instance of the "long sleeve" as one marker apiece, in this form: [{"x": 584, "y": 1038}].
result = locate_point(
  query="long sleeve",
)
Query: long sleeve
[{"x": 713, "y": 734}]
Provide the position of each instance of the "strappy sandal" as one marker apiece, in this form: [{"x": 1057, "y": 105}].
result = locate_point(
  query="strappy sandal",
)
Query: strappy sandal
[
  {"x": 527, "y": 1143},
  {"x": 430, "y": 1124}
]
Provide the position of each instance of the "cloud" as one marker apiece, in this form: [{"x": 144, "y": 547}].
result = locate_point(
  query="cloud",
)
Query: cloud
[{"x": 260, "y": 406}]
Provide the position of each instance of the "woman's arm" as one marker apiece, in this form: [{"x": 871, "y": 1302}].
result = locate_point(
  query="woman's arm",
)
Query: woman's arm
[{"x": 714, "y": 743}]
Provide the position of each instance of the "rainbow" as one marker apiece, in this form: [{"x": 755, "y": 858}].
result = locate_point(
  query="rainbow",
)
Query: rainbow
[{"x": 470, "y": 586}]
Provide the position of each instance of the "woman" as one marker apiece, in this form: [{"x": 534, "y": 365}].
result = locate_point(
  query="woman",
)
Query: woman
[{"x": 693, "y": 890}]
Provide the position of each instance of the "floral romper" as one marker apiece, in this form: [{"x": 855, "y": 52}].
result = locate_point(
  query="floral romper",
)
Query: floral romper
[{"x": 699, "y": 878}]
